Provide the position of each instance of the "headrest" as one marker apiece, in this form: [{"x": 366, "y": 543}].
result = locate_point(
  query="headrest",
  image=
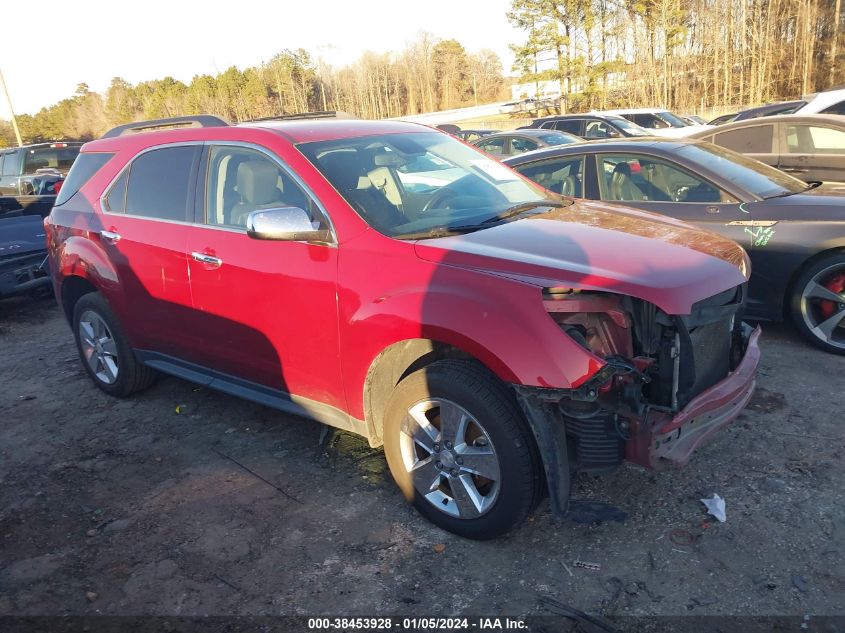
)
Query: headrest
[
  {"x": 257, "y": 181},
  {"x": 343, "y": 169},
  {"x": 622, "y": 168}
]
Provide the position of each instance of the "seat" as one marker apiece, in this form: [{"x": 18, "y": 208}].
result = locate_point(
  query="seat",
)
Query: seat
[
  {"x": 257, "y": 186},
  {"x": 348, "y": 174},
  {"x": 621, "y": 185}
]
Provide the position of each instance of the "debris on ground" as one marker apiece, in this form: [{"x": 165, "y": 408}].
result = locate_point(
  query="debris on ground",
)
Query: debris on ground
[
  {"x": 716, "y": 507},
  {"x": 799, "y": 583},
  {"x": 439, "y": 548},
  {"x": 585, "y": 565}
]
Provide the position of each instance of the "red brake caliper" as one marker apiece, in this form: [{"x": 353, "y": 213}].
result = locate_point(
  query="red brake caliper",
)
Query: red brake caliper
[{"x": 837, "y": 285}]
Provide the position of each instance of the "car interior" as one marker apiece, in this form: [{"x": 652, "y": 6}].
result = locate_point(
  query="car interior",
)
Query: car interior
[{"x": 641, "y": 179}]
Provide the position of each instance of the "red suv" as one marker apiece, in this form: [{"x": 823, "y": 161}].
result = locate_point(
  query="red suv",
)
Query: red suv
[{"x": 387, "y": 279}]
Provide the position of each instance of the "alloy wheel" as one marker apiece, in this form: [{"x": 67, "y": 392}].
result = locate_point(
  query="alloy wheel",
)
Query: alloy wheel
[
  {"x": 823, "y": 305},
  {"x": 98, "y": 347},
  {"x": 450, "y": 457}
]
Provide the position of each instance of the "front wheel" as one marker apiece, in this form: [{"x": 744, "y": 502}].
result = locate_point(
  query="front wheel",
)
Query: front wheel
[
  {"x": 818, "y": 303},
  {"x": 459, "y": 449}
]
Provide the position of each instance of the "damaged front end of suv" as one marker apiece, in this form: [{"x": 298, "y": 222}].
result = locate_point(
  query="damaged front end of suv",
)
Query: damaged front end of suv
[{"x": 667, "y": 383}]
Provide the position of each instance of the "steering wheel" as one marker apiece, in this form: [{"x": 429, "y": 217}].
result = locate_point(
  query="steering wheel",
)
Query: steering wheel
[{"x": 439, "y": 199}]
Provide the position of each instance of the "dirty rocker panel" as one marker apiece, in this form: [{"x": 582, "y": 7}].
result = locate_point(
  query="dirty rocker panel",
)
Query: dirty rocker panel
[{"x": 267, "y": 396}]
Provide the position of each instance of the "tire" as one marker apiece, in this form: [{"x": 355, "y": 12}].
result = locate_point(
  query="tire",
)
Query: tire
[
  {"x": 99, "y": 337},
  {"x": 491, "y": 438},
  {"x": 817, "y": 303}
]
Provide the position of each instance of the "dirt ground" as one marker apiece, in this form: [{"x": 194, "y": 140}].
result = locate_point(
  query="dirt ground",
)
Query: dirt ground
[{"x": 186, "y": 501}]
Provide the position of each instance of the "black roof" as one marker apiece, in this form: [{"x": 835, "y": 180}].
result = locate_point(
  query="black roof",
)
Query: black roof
[
  {"x": 47, "y": 144},
  {"x": 629, "y": 144}
]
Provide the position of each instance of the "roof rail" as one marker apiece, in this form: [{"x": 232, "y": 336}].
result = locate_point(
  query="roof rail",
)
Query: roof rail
[
  {"x": 320, "y": 114},
  {"x": 198, "y": 120}
]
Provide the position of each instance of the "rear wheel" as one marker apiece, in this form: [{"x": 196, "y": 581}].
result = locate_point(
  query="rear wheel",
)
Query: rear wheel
[
  {"x": 459, "y": 449},
  {"x": 104, "y": 349},
  {"x": 818, "y": 303}
]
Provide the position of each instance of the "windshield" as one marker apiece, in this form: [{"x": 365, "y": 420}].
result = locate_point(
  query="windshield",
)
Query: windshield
[
  {"x": 423, "y": 184},
  {"x": 629, "y": 127},
  {"x": 751, "y": 175},
  {"x": 672, "y": 119}
]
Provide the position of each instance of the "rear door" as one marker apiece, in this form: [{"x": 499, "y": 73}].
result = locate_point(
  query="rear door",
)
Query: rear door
[
  {"x": 266, "y": 311},
  {"x": 144, "y": 230},
  {"x": 813, "y": 152}
]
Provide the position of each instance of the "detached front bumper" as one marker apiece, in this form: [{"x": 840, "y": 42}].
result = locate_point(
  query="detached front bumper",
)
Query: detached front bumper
[
  {"x": 668, "y": 441},
  {"x": 23, "y": 274}
]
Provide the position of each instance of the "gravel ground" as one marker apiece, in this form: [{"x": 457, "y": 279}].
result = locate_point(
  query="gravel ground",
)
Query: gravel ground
[{"x": 185, "y": 501}]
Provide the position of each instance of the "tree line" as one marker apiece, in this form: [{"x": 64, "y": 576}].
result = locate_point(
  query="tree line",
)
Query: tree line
[
  {"x": 680, "y": 54},
  {"x": 687, "y": 55},
  {"x": 429, "y": 74}
]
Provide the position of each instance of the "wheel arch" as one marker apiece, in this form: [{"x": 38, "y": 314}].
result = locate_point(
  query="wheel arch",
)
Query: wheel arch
[
  {"x": 393, "y": 364},
  {"x": 73, "y": 288},
  {"x": 827, "y": 251}
]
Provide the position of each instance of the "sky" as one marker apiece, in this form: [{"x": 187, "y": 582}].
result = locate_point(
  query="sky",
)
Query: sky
[{"x": 91, "y": 41}]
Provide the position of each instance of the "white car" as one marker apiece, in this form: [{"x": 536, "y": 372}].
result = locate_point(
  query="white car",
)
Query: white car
[
  {"x": 658, "y": 121},
  {"x": 828, "y": 102}
]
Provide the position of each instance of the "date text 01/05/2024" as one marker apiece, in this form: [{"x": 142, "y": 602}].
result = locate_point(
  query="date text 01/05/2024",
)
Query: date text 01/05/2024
[{"x": 416, "y": 624}]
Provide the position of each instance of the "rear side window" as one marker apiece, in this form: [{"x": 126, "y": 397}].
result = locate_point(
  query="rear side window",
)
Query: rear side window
[
  {"x": 836, "y": 108},
  {"x": 85, "y": 166},
  {"x": 572, "y": 126},
  {"x": 115, "y": 200},
  {"x": 159, "y": 183},
  {"x": 757, "y": 139}
]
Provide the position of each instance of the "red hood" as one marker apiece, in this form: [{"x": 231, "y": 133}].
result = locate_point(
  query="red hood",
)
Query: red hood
[{"x": 593, "y": 246}]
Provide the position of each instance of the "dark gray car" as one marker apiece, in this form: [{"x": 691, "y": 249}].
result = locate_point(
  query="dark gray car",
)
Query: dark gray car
[
  {"x": 810, "y": 146},
  {"x": 793, "y": 231},
  {"x": 519, "y": 141}
]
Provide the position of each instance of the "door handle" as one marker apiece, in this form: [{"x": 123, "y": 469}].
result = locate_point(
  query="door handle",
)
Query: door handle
[
  {"x": 110, "y": 236},
  {"x": 214, "y": 262},
  {"x": 795, "y": 170},
  {"x": 712, "y": 209}
]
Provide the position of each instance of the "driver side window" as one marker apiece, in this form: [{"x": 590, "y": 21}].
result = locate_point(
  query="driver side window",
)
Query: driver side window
[
  {"x": 630, "y": 177},
  {"x": 241, "y": 180}
]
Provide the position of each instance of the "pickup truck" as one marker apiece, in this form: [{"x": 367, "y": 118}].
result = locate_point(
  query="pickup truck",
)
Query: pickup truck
[
  {"x": 31, "y": 176},
  {"x": 30, "y": 179},
  {"x": 23, "y": 254}
]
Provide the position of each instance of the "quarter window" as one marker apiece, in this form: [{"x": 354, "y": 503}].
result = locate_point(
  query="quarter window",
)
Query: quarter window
[
  {"x": 159, "y": 183},
  {"x": 242, "y": 180},
  {"x": 115, "y": 200}
]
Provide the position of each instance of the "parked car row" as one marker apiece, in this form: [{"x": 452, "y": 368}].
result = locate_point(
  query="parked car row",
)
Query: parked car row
[
  {"x": 391, "y": 280},
  {"x": 494, "y": 326},
  {"x": 830, "y": 101},
  {"x": 794, "y": 232}
]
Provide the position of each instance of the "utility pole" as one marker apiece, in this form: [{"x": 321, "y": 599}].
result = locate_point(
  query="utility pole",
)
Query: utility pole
[{"x": 11, "y": 111}]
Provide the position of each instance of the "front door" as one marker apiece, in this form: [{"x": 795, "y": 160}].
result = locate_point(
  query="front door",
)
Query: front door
[{"x": 265, "y": 311}]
